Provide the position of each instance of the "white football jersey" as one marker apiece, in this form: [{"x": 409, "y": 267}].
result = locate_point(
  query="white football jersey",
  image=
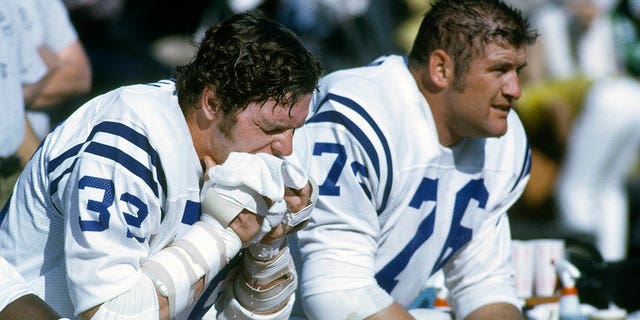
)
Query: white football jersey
[
  {"x": 395, "y": 206},
  {"x": 116, "y": 182}
]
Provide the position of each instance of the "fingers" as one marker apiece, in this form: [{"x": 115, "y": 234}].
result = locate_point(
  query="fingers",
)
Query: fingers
[
  {"x": 298, "y": 199},
  {"x": 282, "y": 230},
  {"x": 208, "y": 163},
  {"x": 277, "y": 232},
  {"x": 246, "y": 225}
]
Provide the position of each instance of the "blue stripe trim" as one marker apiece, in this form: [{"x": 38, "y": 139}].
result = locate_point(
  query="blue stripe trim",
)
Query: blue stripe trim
[
  {"x": 53, "y": 186},
  {"x": 355, "y": 130},
  {"x": 526, "y": 166},
  {"x": 136, "y": 139},
  {"x": 3, "y": 213},
  {"x": 127, "y": 161},
  {"x": 53, "y": 164},
  {"x": 191, "y": 212}
]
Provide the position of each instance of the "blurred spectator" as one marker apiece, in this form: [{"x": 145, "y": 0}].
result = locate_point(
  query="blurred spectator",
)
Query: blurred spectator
[
  {"x": 20, "y": 70},
  {"x": 47, "y": 24},
  {"x": 574, "y": 49},
  {"x": 605, "y": 143},
  {"x": 581, "y": 114},
  {"x": 118, "y": 36}
]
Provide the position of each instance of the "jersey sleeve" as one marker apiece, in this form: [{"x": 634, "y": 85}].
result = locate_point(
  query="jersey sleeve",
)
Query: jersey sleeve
[
  {"x": 345, "y": 146},
  {"x": 111, "y": 201},
  {"x": 481, "y": 273}
]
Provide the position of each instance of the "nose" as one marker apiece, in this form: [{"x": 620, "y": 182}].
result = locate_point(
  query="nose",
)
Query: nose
[
  {"x": 511, "y": 87},
  {"x": 282, "y": 144}
]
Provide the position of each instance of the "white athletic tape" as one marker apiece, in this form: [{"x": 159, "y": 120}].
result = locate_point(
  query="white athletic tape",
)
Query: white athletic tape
[
  {"x": 173, "y": 276},
  {"x": 249, "y": 285},
  {"x": 264, "y": 272},
  {"x": 265, "y": 300},
  {"x": 213, "y": 204},
  {"x": 295, "y": 218},
  {"x": 232, "y": 309},
  {"x": 175, "y": 270},
  {"x": 138, "y": 303},
  {"x": 266, "y": 251}
]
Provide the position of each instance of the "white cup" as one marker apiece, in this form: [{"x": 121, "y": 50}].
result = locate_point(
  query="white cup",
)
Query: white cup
[
  {"x": 546, "y": 251},
  {"x": 522, "y": 257}
]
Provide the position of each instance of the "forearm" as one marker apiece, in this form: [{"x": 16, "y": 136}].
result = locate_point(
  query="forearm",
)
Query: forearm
[
  {"x": 496, "y": 311},
  {"x": 394, "y": 311},
  {"x": 142, "y": 301},
  {"x": 171, "y": 279},
  {"x": 180, "y": 271},
  {"x": 260, "y": 287},
  {"x": 28, "y": 307},
  {"x": 69, "y": 75}
]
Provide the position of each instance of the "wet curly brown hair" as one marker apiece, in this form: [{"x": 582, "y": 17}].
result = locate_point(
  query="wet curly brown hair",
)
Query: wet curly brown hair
[{"x": 248, "y": 58}]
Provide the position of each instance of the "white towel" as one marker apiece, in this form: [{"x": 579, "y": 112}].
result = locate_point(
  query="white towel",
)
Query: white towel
[{"x": 246, "y": 178}]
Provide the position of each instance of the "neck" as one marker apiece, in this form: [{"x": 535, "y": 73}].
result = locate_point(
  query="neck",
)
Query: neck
[{"x": 437, "y": 105}]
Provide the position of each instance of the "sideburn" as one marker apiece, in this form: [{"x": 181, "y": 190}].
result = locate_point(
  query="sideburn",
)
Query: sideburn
[{"x": 227, "y": 123}]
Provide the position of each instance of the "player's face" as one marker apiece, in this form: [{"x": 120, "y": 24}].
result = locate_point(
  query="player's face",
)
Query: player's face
[
  {"x": 264, "y": 128},
  {"x": 491, "y": 87}
]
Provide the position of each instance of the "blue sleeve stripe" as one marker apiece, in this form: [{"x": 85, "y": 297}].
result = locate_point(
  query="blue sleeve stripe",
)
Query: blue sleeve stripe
[
  {"x": 359, "y": 134},
  {"x": 127, "y": 161},
  {"x": 135, "y": 138},
  {"x": 53, "y": 187},
  {"x": 131, "y": 164},
  {"x": 53, "y": 164},
  {"x": 526, "y": 166}
]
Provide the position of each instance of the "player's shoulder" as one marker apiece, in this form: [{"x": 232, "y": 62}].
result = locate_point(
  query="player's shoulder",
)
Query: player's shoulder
[
  {"x": 149, "y": 100},
  {"x": 364, "y": 88},
  {"x": 148, "y": 110},
  {"x": 148, "y": 91},
  {"x": 370, "y": 73}
]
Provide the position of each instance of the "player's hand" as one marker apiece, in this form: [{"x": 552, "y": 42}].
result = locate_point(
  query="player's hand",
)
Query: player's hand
[
  {"x": 246, "y": 224},
  {"x": 296, "y": 200}
]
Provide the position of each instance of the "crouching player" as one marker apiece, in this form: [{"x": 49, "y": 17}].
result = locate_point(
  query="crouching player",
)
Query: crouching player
[{"x": 105, "y": 220}]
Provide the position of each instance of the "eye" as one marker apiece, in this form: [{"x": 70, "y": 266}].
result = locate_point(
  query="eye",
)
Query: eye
[{"x": 274, "y": 131}]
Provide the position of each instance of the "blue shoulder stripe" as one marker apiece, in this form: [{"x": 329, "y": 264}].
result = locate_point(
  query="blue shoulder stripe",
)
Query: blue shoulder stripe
[
  {"x": 126, "y": 161},
  {"x": 335, "y": 117},
  {"x": 109, "y": 152}
]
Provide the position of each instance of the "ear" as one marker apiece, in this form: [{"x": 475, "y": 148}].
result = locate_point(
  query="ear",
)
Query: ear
[
  {"x": 209, "y": 104},
  {"x": 440, "y": 68}
]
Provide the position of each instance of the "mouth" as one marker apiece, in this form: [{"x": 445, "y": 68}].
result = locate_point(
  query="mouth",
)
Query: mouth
[{"x": 504, "y": 108}]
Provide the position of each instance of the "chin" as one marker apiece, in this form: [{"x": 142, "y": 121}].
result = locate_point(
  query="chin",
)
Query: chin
[{"x": 497, "y": 131}]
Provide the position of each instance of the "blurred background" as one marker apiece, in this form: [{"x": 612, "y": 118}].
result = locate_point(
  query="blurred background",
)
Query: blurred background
[
  {"x": 578, "y": 102},
  {"x": 133, "y": 41}
]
